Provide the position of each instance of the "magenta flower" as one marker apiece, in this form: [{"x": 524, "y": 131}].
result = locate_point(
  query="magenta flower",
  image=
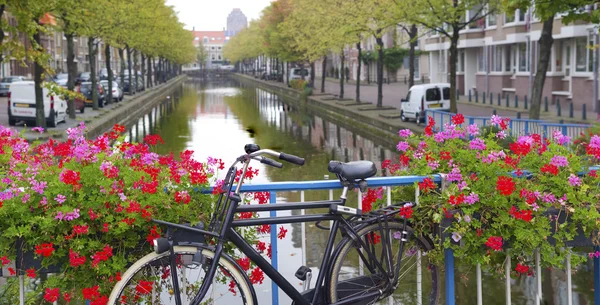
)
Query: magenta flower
[
  {"x": 559, "y": 138},
  {"x": 462, "y": 185},
  {"x": 559, "y": 161},
  {"x": 418, "y": 155},
  {"x": 439, "y": 137},
  {"x": 25, "y": 198},
  {"x": 501, "y": 134},
  {"x": 38, "y": 187},
  {"x": 594, "y": 254},
  {"x": 574, "y": 180},
  {"x": 455, "y": 175},
  {"x": 72, "y": 215},
  {"x": 595, "y": 142},
  {"x": 60, "y": 198},
  {"x": 59, "y": 216},
  {"x": 38, "y": 129},
  {"x": 478, "y": 144},
  {"x": 496, "y": 120},
  {"x": 403, "y": 146},
  {"x": 473, "y": 130},
  {"x": 44, "y": 201},
  {"x": 405, "y": 133},
  {"x": 472, "y": 198},
  {"x": 433, "y": 164},
  {"x": 549, "y": 198}
]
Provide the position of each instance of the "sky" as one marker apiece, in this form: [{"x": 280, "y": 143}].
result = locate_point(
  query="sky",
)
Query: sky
[{"x": 211, "y": 15}]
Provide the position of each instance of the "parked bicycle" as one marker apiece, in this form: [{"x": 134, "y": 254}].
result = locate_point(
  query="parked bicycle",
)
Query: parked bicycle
[{"x": 369, "y": 258}]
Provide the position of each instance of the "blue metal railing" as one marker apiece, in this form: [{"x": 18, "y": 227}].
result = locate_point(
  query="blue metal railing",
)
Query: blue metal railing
[
  {"x": 517, "y": 126},
  {"x": 449, "y": 266}
]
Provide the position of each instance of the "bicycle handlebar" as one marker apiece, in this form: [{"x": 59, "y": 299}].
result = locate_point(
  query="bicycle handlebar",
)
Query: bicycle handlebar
[
  {"x": 271, "y": 162},
  {"x": 292, "y": 159},
  {"x": 281, "y": 156}
]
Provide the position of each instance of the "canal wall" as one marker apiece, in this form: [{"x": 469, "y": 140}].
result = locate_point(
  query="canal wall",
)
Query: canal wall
[
  {"x": 130, "y": 112},
  {"x": 380, "y": 130}
]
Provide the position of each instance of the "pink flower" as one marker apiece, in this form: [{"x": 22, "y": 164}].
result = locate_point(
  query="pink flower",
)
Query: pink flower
[
  {"x": 38, "y": 187},
  {"x": 549, "y": 198},
  {"x": 433, "y": 164},
  {"x": 478, "y": 144},
  {"x": 38, "y": 129},
  {"x": 462, "y": 185},
  {"x": 595, "y": 142},
  {"x": 496, "y": 120},
  {"x": 472, "y": 198},
  {"x": 44, "y": 201},
  {"x": 405, "y": 133},
  {"x": 559, "y": 161},
  {"x": 439, "y": 137},
  {"x": 455, "y": 175},
  {"x": 559, "y": 138},
  {"x": 574, "y": 180},
  {"x": 403, "y": 146},
  {"x": 501, "y": 134},
  {"x": 60, "y": 198},
  {"x": 473, "y": 130},
  {"x": 456, "y": 237}
]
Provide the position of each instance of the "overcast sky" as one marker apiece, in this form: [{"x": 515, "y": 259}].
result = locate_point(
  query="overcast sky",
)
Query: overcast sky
[{"x": 211, "y": 15}]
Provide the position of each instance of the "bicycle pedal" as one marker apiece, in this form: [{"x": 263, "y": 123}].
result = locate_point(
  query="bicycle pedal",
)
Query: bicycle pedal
[{"x": 305, "y": 275}]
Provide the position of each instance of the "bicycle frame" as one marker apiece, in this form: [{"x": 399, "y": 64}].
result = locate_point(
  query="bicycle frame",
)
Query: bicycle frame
[{"x": 228, "y": 233}]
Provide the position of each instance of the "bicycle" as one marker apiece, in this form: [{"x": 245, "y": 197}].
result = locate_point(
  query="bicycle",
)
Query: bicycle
[{"x": 372, "y": 260}]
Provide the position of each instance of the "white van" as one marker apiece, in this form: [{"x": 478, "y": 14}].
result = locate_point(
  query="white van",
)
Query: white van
[
  {"x": 298, "y": 73},
  {"x": 21, "y": 105},
  {"x": 423, "y": 97}
]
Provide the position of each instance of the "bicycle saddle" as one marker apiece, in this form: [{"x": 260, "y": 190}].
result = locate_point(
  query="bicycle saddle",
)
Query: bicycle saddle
[{"x": 355, "y": 170}]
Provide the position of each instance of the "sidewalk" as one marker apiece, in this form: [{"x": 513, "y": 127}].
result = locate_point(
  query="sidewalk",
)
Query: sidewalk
[{"x": 393, "y": 92}]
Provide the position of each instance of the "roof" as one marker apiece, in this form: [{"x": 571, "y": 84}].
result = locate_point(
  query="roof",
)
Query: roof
[
  {"x": 214, "y": 37},
  {"x": 432, "y": 85}
]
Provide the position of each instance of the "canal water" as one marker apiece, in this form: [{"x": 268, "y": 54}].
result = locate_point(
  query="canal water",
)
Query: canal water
[{"x": 217, "y": 118}]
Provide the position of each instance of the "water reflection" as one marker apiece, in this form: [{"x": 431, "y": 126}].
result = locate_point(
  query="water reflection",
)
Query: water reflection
[{"x": 218, "y": 118}]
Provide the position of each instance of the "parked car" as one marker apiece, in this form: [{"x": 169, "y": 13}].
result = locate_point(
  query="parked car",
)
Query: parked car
[
  {"x": 86, "y": 90},
  {"x": 61, "y": 79},
  {"x": 423, "y": 97},
  {"x": 84, "y": 77},
  {"x": 79, "y": 104},
  {"x": 299, "y": 73},
  {"x": 21, "y": 105},
  {"x": 125, "y": 85},
  {"x": 117, "y": 92},
  {"x": 7, "y": 81},
  {"x": 141, "y": 86},
  {"x": 103, "y": 75}
]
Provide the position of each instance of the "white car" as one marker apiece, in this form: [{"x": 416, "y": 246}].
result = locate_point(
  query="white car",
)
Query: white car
[
  {"x": 424, "y": 97},
  {"x": 117, "y": 92},
  {"x": 21, "y": 105},
  {"x": 299, "y": 73}
]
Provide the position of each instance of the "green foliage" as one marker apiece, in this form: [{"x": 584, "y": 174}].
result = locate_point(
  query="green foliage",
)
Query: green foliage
[
  {"x": 393, "y": 58},
  {"x": 369, "y": 57},
  {"x": 298, "y": 84}
]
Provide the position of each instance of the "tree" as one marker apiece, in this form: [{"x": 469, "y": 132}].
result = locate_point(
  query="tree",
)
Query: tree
[
  {"x": 546, "y": 11},
  {"x": 201, "y": 55},
  {"x": 448, "y": 18}
]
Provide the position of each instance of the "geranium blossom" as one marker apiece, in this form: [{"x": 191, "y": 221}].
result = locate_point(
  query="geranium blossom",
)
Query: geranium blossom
[
  {"x": 494, "y": 243},
  {"x": 574, "y": 180},
  {"x": 559, "y": 138},
  {"x": 478, "y": 144},
  {"x": 560, "y": 161},
  {"x": 402, "y": 146},
  {"x": 405, "y": 133}
]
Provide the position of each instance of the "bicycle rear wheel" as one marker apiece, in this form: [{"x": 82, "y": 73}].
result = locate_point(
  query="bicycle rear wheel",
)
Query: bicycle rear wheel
[
  {"x": 351, "y": 279},
  {"x": 148, "y": 281}
]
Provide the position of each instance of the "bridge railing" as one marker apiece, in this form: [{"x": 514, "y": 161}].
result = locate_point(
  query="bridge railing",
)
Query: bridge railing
[
  {"x": 388, "y": 183},
  {"x": 517, "y": 127}
]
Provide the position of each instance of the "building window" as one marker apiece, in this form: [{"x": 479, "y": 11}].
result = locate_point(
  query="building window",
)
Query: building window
[
  {"x": 218, "y": 48},
  {"x": 517, "y": 16},
  {"x": 205, "y": 40},
  {"x": 523, "y": 60},
  {"x": 472, "y": 14},
  {"x": 558, "y": 46},
  {"x": 584, "y": 54},
  {"x": 460, "y": 67},
  {"x": 491, "y": 20},
  {"x": 507, "y": 61},
  {"x": 417, "y": 67},
  {"x": 481, "y": 60},
  {"x": 497, "y": 54}
]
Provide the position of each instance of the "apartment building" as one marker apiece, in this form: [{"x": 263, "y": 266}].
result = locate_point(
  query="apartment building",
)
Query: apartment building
[
  {"x": 213, "y": 42},
  {"x": 499, "y": 54}
]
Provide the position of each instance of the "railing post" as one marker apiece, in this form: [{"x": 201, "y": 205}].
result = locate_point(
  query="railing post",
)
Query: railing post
[
  {"x": 483, "y": 97},
  {"x": 449, "y": 266},
  {"x": 525, "y": 101},
  {"x": 596, "y": 277},
  {"x": 507, "y": 102},
  {"x": 516, "y": 101},
  {"x": 538, "y": 278},
  {"x": 507, "y": 267},
  {"x": 499, "y": 99},
  {"x": 470, "y": 95},
  {"x": 545, "y": 104},
  {"x": 479, "y": 285},
  {"x": 476, "y": 96},
  {"x": 584, "y": 112},
  {"x": 569, "y": 281},
  {"x": 274, "y": 288}
]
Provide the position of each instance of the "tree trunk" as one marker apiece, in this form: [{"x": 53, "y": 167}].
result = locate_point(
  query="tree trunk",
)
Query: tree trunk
[
  {"x": 143, "y": 68},
  {"x": 149, "y": 76},
  {"x": 453, "y": 59},
  {"x": 323, "y": 73},
  {"x": 411, "y": 54},
  {"x": 545, "y": 45},
  {"x": 342, "y": 72},
  {"x": 379, "y": 70},
  {"x": 71, "y": 71},
  {"x": 2, "y": 8},
  {"x": 287, "y": 73},
  {"x": 109, "y": 95},
  {"x": 131, "y": 85},
  {"x": 312, "y": 74},
  {"x": 122, "y": 57},
  {"x": 155, "y": 66},
  {"x": 359, "y": 47},
  {"x": 135, "y": 68},
  {"x": 92, "y": 59},
  {"x": 40, "y": 118}
]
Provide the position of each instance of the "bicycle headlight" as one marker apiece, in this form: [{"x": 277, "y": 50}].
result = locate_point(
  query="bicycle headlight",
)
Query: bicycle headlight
[{"x": 161, "y": 245}]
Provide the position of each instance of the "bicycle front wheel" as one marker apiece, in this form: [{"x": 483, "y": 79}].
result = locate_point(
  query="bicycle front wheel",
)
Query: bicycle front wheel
[
  {"x": 148, "y": 281},
  {"x": 353, "y": 276}
]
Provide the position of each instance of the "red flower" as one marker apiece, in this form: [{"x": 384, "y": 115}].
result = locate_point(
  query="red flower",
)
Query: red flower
[
  {"x": 4, "y": 261},
  {"x": 105, "y": 228},
  {"x": 102, "y": 300},
  {"x": 133, "y": 207},
  {"x": 182, "y": 197},
  {"x": 261, "y": 246},
  {"x": 51, "y": 295},
  {"x": 257, "y": 276},
  {"x": 458, "y": 119},
  {"x": 550, "y": 169},
  {"x": 101, "y": 256},
  {"x": 592, "y": 173},
  {"x": 282, "y": 233},
  {"x": 494, "y": 243},
  {"x": 269, "y": 251},
  {"x": 144, "y": 287},
  {"x": 524, "y": 215},
  {"x": 44, "y": 250},
  {"x": 154, "y": 234},
  {"x": 93, "y": 216},
  {"x": 404, "y": 160},
  {"x": 264, "y": 229},
  {"x": 90, "y": 293},
  {"x": 505, "y": 185},
  {"x": 119, "y": 128},
  {"x": 406, "y": 211},
  {"x": 504, "y": 123},
  {"x": 445, "y": 155},
  {"x": 244, "y": 262},
  {"x": 80, "y": 230},
  {"x": 12, "y": 271},
  {"x": 153, "y": 139},
  {"x": 374, "y": 238},
  {"x": 428, "y": 131},
  {"x": 520, "y": 149},
  {"x": 522, "y": 269},
  {"x": 30, "y": 273},
  {"x": 246, "y": 215},
  {"x": 427, "y": 185},
  {"x": 261, "y": 197},
  {"x": 75, "y": 259},
  {"x": 67, "y": 297},
  {"x": 456, "y": 200},
  {"x": 70, "y": 177}
]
